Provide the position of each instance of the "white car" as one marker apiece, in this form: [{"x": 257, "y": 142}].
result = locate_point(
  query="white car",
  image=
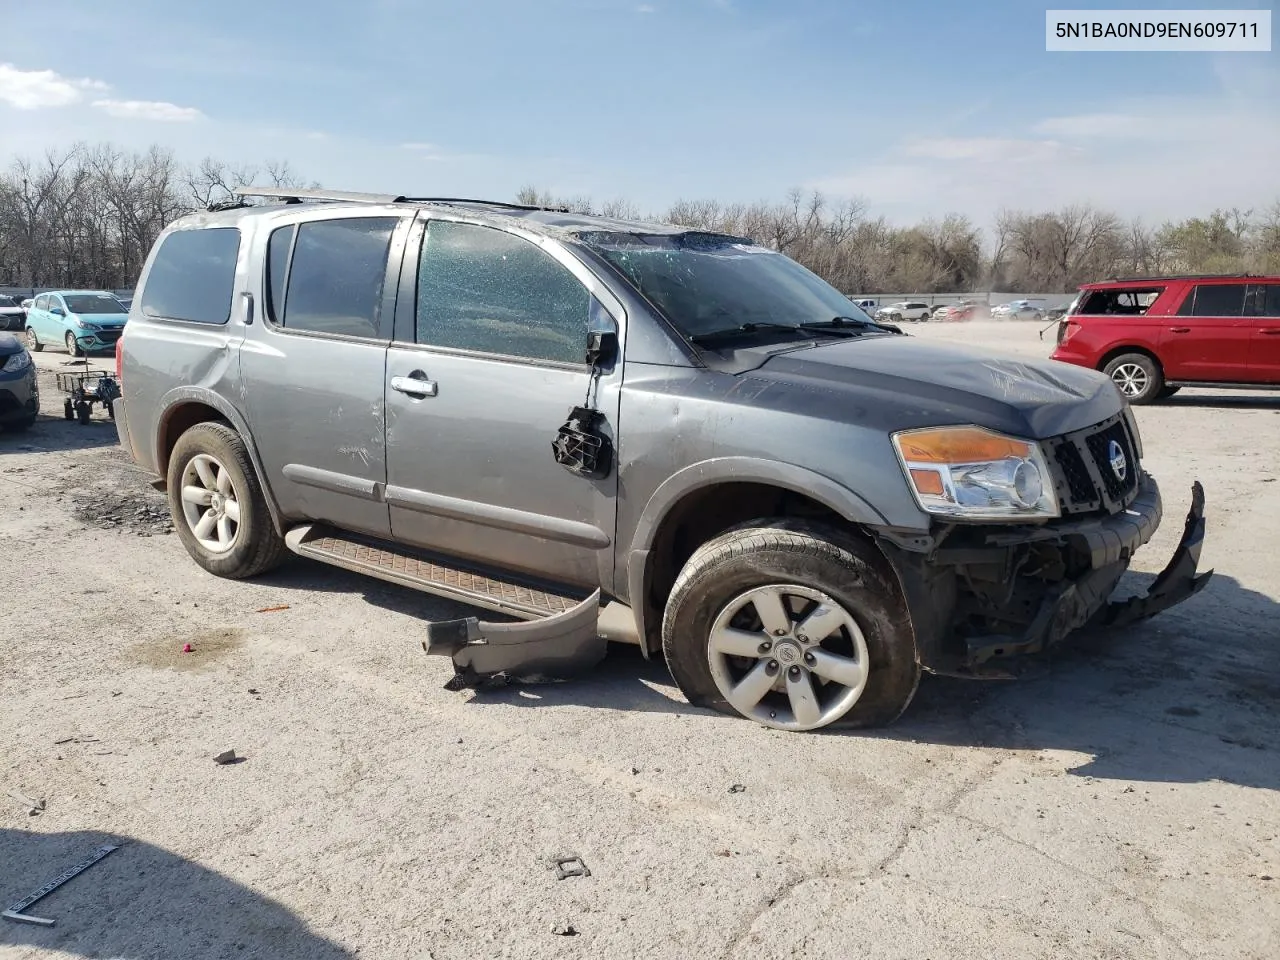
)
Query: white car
[
  {"x": 868, "y": 307},
  {"x": 905, "y": 310},
  {"x": 1018, "y": 310},
  {"x": 12, "y": 315}
]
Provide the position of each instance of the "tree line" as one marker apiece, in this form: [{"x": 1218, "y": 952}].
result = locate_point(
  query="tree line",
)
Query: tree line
[{"x": 87, "y": 216}]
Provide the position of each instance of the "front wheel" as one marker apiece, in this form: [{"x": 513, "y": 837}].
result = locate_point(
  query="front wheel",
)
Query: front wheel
[
  {"x": 218, "y": 506},
  {"x": 73, "y": 347},
  {"x": 33, "y": 342},
  {"x": 795, "y": 626},
  {"x": 1138, "y": 376}
]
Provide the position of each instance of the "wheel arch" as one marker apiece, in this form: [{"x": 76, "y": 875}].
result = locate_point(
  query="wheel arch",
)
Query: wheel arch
[
  {"x": 1120, "y": 351},
  {"x": 183, "y": 408},
  {"x": 705, "y": 499}
]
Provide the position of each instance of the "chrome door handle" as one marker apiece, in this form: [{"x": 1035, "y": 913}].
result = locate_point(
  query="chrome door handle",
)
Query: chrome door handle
[{"x": 414, "y": 386}]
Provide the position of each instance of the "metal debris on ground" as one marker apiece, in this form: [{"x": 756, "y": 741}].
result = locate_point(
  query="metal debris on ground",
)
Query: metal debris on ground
[
  {"x": 569, "y": 865},
  {"x": 227, "y": 756},
  {"x": 34, "y": 807},
  {"x": 283, "y": 606},
  {"x": 737, "y": 788},
  {"x": 15, "y": 913}
]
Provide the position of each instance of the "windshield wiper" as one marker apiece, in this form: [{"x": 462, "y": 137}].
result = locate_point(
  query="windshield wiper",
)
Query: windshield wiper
[
  {"x": 743, "y": 328},
  {"x": 850, "y": 324}
]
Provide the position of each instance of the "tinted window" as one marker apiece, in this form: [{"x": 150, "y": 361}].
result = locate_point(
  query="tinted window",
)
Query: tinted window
[
  {"x": 8, "y": 302},
  {"x": 1219, "y": 300},
  {"x": 277, "y": 263},
  {"x": 336, "y": 276},
  {"x": 93, "y": 303},
  {"x": 193, "y": 276},
  {"x": 486, "y": 290},
  {"x": 1262, "y": 300},
  {"x": 1272, "y": 306}
]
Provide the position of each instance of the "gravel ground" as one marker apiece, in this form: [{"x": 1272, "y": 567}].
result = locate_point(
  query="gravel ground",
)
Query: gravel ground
[{"x": 1118, "y": 801}]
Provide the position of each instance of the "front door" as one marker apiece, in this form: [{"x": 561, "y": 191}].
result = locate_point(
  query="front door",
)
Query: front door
[
  {"x": 485, "y": 368},
  {"x": 314, "y": 369},
  {"x": 1263, "y": 306},
  {"x": 1209, "y": 337}
]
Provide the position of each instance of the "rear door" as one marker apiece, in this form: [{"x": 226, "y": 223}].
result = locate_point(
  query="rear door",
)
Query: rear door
[
  {"x": 1262, "y": 305},
  {"x": 488, "y": 361},
  {"x": 314, "y": 368},
  {"x": 1209, "y": 338}
]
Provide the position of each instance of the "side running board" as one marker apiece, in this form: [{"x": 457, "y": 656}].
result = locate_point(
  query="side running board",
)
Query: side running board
[{"x": 553, "y": 634}]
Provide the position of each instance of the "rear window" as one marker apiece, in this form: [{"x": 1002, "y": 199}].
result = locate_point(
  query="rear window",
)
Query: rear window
[
  {"x": 193, "y": 276},
  {"x": 1125, "y": 301}
]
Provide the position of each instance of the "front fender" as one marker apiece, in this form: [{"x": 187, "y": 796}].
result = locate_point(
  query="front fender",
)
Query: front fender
[
  {"x": 175, "y": 398},
  {"x": 683, "y": 482}
]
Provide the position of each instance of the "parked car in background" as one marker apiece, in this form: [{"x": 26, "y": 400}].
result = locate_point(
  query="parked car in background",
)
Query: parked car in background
[
  {"x": 867, "y": 306},
  {"x": 1154, "y": 336},
  {"x": 19, "y": 392},
  {"x": 955, "y": 312},
  {"x": 26, "y": 304},
  {"x": 12, "y": 314},
  {"x": 81, "y": 321},
  {"x": 604, "y": 429},
  {"x": 1019, "y": 310},
  {"x": 904, "y": 310}
]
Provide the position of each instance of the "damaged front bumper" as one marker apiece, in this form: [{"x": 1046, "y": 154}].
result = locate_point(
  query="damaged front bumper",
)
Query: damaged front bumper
[{"x": 1101, "y": 551}]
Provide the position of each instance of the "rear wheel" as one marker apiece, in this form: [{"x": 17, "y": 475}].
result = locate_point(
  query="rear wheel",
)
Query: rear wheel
[
  {"x": 1138, "y": 377},
  {"x": 218, "y": 506},
  {"x": 795, "y": 626},
  {"x": 33, "y": 342}
]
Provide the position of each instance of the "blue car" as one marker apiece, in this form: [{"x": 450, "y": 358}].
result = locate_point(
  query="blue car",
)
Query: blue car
[{"x": 82, "y": 321}]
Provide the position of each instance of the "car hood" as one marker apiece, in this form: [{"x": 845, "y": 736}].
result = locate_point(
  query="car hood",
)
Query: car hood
[
  {"x": 103, "y": 319},
  {"x": 9, "y": 345},
  {"x": 923, "y": 383},
  {"x": 11, "y": 310}
]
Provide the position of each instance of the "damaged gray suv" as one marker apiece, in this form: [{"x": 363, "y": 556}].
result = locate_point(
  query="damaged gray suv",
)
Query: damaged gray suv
[{"x": 605, "y": 430}]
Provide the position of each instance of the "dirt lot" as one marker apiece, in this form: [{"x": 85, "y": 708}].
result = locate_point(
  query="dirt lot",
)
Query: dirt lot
[{"x": 1121, "y": 800}]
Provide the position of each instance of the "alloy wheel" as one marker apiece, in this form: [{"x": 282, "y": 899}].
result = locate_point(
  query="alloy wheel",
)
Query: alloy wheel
[
  {"x": 1131, "y": 379},
  {"x": 210, "y": 503},
  {"x": 788, "y": 657}
]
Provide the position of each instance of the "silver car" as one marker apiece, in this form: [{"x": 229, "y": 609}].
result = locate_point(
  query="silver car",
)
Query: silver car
[
  {"x": 630, "y": 431},
  {"x": 904, "y": 310}
]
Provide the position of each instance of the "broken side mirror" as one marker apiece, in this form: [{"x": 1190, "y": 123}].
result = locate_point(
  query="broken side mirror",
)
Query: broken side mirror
[{"x": 602, "y": 336}]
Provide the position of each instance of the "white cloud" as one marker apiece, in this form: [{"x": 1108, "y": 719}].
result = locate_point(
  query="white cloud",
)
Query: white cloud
[
  {"x": 983, "y": 149},
  {"x": 148, "y": 110},
  {"x": 1159, "y": 158},
  {"x": 646, "y": 8},
  {"x": 35, "y": 89}
]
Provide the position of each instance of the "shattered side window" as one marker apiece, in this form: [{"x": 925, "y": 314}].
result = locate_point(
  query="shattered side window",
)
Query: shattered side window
[
  {"x": 1133, "y": 302},
  {"x": 485, "y": 290}
]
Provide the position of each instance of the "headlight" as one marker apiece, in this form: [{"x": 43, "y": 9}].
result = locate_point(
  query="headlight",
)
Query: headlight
[
  {"x": 17, "y": 361},
  {"x": 976, "y": 473}
]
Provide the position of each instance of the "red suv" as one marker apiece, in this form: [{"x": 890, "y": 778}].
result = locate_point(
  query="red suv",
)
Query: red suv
[{"x": 1155, "y": 335}]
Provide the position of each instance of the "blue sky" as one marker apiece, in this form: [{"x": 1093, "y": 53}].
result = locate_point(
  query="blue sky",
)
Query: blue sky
[{"x": 916, "y": 108}]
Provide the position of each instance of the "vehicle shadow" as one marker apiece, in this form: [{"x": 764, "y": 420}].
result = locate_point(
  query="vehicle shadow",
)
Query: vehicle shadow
[
  {"x": 1191, "y": 695},
  {"x": 54, "y": 433},
  {"x": 143, "y": 901},
  {"x": 1247, "y": 401}
]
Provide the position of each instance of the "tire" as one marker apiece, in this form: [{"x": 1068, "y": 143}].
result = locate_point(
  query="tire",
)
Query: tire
[
  {"x": 68, "y": 410},
  {"x": 254, "y": 546},
  {"x": 33, "y": 342},
  {"x": 73, "y": 348},
  {"x": 83, "y": 411},
  {"x": 767, "y": 555},
  {"x": 1167, "y": 392},
  {"x": 1138, "y": 376}
]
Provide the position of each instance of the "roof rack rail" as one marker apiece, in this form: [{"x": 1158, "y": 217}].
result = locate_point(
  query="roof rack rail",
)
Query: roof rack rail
[
  {"x": 1182, "y": 276},
  {"x": 292, "y": 195}
]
